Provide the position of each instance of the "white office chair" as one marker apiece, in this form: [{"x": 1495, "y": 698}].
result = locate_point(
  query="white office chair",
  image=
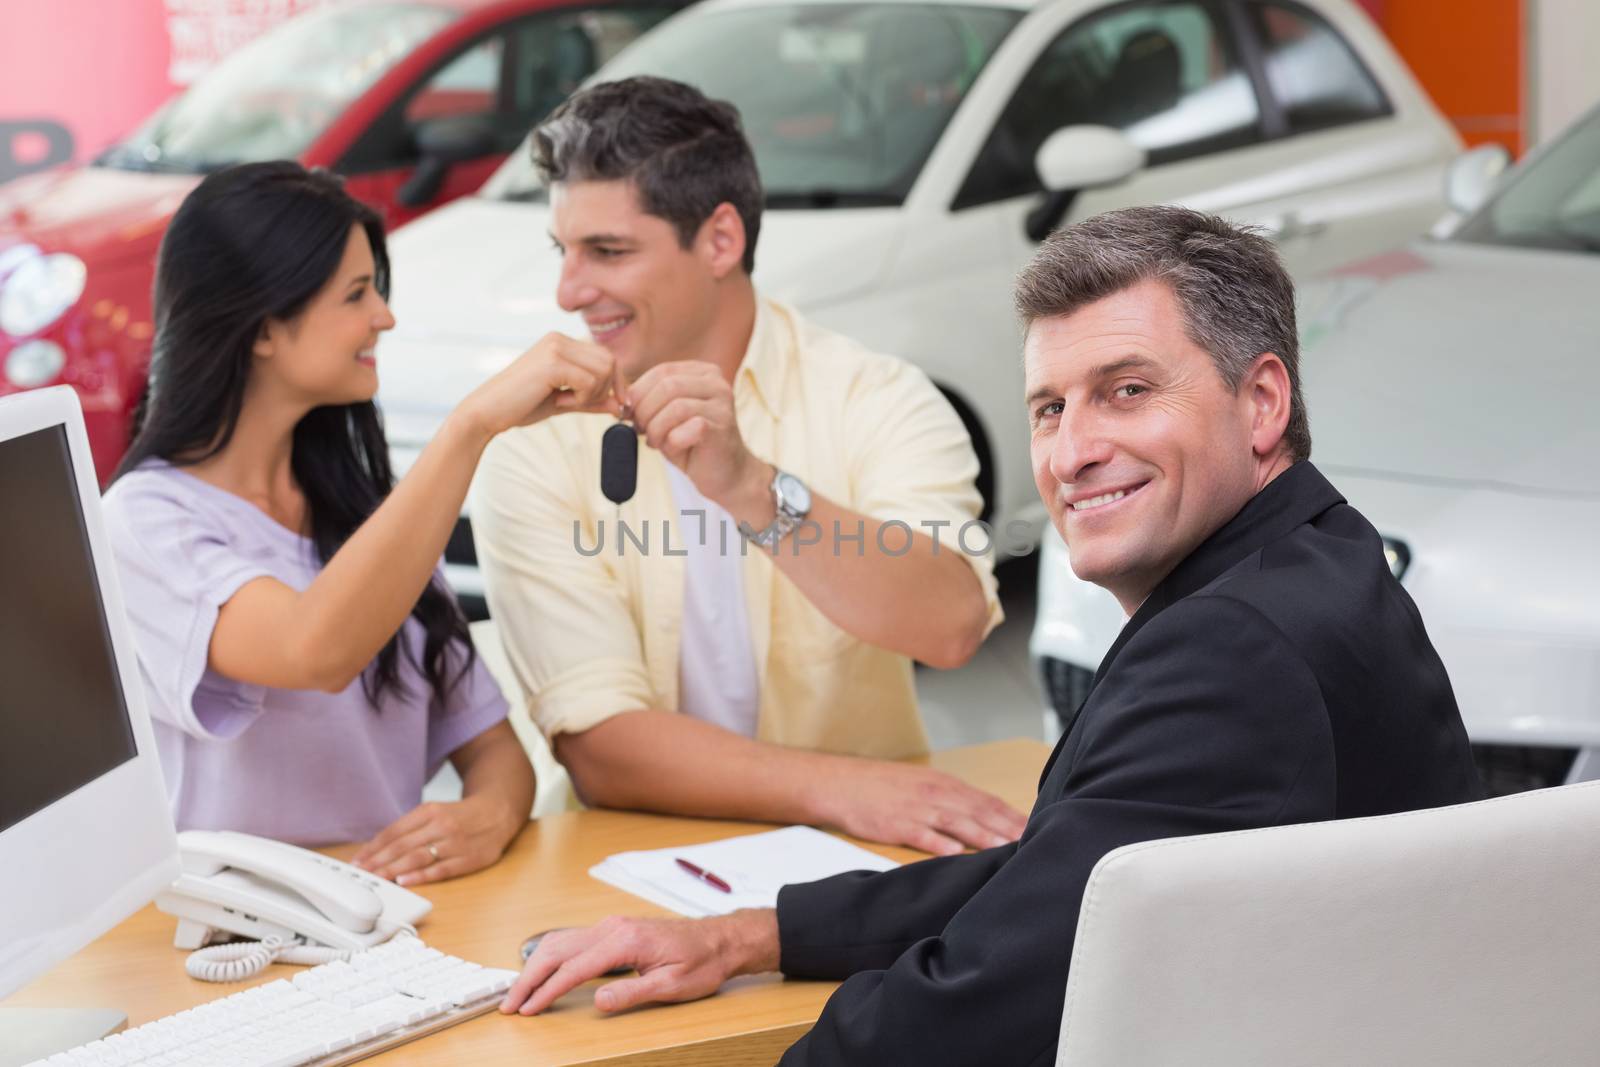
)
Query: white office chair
[{"x": 1460, "y": 936}]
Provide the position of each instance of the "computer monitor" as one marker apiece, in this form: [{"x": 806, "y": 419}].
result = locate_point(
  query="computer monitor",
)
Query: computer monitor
[{"x": 86, "y": 835}]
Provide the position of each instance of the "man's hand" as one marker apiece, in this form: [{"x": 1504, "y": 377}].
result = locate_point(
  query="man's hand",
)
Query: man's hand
[
  {"x": 432, "y": 842},
  {"x": 898, "y": 804},
  {"x": 677, "y": 960},
  {"x": 684, "y": 409}
]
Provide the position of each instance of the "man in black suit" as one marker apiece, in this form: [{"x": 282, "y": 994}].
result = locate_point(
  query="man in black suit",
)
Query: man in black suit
[{"x": 1272, "y": 670}]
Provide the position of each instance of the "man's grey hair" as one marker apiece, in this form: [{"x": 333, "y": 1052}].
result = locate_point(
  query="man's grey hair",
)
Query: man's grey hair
[{"x": 1237, "y": 299}]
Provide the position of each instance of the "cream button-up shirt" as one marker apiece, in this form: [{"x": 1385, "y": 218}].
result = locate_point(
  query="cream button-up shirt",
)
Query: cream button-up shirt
[{"x": 588, "y": 595}]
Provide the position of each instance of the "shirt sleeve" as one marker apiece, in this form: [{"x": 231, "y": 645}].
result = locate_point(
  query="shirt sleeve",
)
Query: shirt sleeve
[
  {"x": 473, "y": 705},
  {"x": 178, "y": 566},
  {"x": 1178, "y": 745},
  {"x": 912, "y": 462},
  {"x": 868, "y": 918},
  {"x": 563, "y": 616}
]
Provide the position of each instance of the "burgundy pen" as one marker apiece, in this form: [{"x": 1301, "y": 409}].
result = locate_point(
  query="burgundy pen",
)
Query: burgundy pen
[{"x": 704, "y": 875}]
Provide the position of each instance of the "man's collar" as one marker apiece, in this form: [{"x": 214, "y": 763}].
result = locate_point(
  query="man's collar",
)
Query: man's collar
[
  {"x": 1292, "y": 499},
  {"x": 765, "y": 363}
]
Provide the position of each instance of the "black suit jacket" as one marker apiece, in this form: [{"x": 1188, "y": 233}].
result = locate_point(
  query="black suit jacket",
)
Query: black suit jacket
[{"x": 1278, "y": 675}]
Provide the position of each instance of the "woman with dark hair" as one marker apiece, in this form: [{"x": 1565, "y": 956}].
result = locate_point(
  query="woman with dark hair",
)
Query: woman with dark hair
[{"x": 306, "y": 666}]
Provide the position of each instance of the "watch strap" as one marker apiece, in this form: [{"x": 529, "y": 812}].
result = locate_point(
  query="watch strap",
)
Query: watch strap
[{"x": 784, "y": 520}]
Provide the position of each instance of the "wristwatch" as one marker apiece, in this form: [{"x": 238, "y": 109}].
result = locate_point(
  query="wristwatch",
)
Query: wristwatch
[{"x": 793, "y": 501}]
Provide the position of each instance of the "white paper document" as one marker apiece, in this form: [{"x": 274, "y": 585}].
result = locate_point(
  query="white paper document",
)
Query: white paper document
[{"x": 754, "y": 866}]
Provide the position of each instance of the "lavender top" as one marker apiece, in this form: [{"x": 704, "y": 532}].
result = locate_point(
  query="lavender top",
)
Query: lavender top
[{"x": 303, "y": 766}]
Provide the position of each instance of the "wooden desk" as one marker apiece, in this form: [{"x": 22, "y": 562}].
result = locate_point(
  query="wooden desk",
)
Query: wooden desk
[{"x": 542, "y": 882}]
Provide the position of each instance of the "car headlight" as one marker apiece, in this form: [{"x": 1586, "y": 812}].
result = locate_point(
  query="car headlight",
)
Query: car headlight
[
  {"x": 1398, "y": 555},
  {"x": 35, "y": 363},
  {"x": 39, "y": 291}
]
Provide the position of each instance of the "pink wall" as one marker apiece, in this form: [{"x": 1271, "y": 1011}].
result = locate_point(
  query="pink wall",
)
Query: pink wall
[{"x": 76, "y": 75}]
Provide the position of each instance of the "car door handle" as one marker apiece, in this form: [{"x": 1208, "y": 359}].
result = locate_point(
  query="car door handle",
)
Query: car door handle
[
  {"x": 1304, "y": 227},
  {"x": 1291, "y": 225}
]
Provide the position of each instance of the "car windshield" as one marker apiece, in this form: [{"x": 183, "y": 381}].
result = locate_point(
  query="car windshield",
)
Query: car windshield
[
  {"x": 1552, "y": 203},
  {"x": 272, "y": 98},
  {"x": 842, "y": 102}
]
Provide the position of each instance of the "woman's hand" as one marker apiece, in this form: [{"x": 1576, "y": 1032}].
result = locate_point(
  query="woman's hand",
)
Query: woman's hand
[
  {"x": 557, "y": 374},
  {"x": 432, "y": 842}
]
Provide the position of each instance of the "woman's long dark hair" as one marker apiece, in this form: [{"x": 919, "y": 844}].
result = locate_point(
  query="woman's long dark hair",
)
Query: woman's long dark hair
[{"x": 252, "y": 243}]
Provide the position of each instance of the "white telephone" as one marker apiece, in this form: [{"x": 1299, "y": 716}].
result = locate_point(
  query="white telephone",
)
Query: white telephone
[{"x": 303, "y": 906}]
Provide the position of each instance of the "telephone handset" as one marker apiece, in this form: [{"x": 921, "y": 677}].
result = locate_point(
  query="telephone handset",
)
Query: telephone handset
[{"x": 300, "y": 904}]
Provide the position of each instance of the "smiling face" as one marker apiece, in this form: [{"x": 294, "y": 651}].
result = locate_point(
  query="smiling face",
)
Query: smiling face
[
  {"x": 643, "y": 295},
  {"x": 327, "y": 353},
  {"x": 1140, "y": 449}
]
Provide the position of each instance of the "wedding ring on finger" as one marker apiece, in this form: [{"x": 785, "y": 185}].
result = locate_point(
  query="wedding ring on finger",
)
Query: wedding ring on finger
[{"x": 433, "y": 851}]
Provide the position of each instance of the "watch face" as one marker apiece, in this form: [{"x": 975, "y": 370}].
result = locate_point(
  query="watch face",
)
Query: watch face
[{"x": 796, "y": 497}]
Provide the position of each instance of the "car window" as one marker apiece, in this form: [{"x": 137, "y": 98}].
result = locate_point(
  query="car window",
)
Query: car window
[
  {"x": 468, "y": 85},
  {"x": 511, "y": 80},
  {"x": 842, "y": 103},
  {"x": 1584, "y": 202},
  {"x": 1165, "y": 74},
  {"x": 553, "y": 57},
  {"x": 1312, "y": 72},
  {"x": 275, "y": 96},
  {"x": 1552, "y": 201}
]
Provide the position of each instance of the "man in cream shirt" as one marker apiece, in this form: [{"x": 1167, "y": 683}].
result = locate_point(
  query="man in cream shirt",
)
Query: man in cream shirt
[{"x": 674, "y": 666}]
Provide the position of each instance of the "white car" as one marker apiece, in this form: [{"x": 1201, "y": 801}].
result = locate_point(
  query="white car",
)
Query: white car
[
  {"x": 915, "y": 151},
  {"x": 1451, "y": 387}
]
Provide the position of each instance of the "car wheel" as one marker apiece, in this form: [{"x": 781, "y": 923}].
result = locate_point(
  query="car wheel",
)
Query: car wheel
[
  {"x": 1066, "y": 686},
  {"x": 1516, "y": 768},
  {"x": 980, "y": 445}
]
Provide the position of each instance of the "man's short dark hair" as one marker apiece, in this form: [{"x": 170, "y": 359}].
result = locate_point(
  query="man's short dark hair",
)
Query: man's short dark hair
[
  {"x": 683, "y": 151},
  {"x": 1237, "y": 299}
]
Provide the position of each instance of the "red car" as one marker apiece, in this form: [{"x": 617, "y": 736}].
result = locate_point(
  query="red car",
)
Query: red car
[{"x": 415, "y": 103}]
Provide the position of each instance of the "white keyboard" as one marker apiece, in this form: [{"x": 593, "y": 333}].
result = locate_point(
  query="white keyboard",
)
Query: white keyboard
[{"x": 331, "y": 1014}]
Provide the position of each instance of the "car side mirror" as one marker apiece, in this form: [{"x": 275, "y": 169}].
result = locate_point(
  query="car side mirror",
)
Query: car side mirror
[
  {"x": 444, "y": 143},
  {"x": 1086, "y": 157},
  {"x": 1075, "y": 158},
  {"x": 1471, "y": 178}
]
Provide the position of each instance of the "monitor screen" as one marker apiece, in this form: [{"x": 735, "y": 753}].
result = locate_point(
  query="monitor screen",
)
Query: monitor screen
[{"x": 63, "y": 716}]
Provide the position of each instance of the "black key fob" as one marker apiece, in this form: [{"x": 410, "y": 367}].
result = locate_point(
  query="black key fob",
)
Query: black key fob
[{"x": 619, "y": 463}]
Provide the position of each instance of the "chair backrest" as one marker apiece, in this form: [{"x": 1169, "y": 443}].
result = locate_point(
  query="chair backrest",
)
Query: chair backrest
[{"x": 1466, "y": 935}]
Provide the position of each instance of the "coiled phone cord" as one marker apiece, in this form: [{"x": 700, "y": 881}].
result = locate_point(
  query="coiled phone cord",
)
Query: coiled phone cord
[{"x": 238, "y": 960}]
